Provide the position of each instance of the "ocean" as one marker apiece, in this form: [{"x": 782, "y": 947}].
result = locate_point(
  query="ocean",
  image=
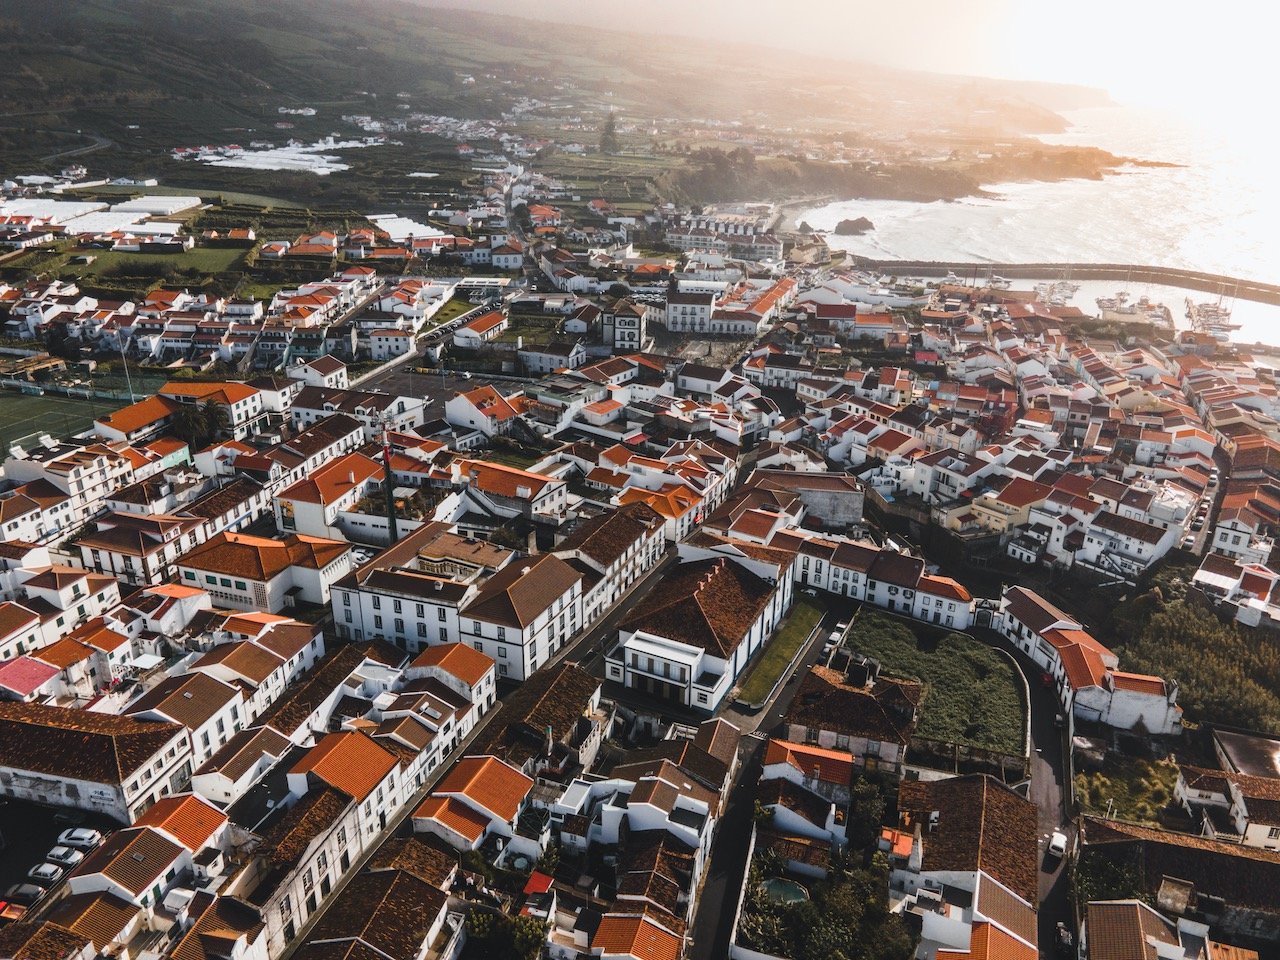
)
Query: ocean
[{"x": 1219, "y": 211}]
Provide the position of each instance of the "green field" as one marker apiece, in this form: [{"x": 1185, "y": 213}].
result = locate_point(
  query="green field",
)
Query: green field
[
  {"x": 778, "y": 652},
  {"x": 972, "y": 694},
  {"x": 201, "y": 259},
  {"x": 22, "y": 415}
]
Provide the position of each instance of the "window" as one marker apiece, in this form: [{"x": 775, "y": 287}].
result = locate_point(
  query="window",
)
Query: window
[
  {"x": 188, "y": 575},
  {"x": 475, "y": 626},
  {"x": 439, "y": 613},
  {"x": 396, "y": 606},
  {"x": 346, "y": 615},
  {"x": 502, "y": 653},
  {"x": 240, "y": 585},
  {"x": 422, "y": 629},
  {"x": 502, "y": 633},
  {"x": 1273, "y": 833},
  {"x": 225, "y": 581},
  {"x": 346, "y": 599},
  {"x": 377, "y": 602},
  {"x": 377, "y": 622},
  {"x": 399, "y": 625}
]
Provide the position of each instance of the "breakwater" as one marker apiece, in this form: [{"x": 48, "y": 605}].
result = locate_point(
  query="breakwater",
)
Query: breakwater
[{"x": 1127, "y": 273}]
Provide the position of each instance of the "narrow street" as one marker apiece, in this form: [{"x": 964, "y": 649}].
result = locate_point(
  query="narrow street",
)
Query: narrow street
[
  {"x": 727, "y": 866},
  {"x": 1048, "y": 788}
]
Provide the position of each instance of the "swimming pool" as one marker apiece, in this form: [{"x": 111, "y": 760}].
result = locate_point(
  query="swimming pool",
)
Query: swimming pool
[{"x": 784, "y": 891}]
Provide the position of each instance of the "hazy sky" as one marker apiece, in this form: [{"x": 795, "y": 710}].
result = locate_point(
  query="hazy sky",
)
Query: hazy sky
[{"x": 1192, "y": 56}]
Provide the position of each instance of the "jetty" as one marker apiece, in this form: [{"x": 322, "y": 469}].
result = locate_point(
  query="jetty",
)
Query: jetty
[{"x": 1128, "y": 273}]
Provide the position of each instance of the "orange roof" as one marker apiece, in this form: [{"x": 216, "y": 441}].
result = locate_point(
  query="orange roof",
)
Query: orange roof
[
  {"x": 671, "y": 504},
  {"x": 63, "y": 653},
  {"x": 466, "y": 663},
  {"x": 490, "y": 783},
  {"x": 222, "y": 392},
  {"x": 98, "y": 635},
  {"x": 164, "y": 445},
  {"x": 603, "y": 406},
  {"x": 175, "y": 590},
  {"x": 348, "y": 761},
  {"x": 1083, "y": 665},
  {"x": 141, "y": 414},
  {"x": 334, "y": 480},
  {"x": 486, "y": 322},
  {"x": 943, "y": 587},
  {"x": 989, "y": 942},
  {"x": 501, "y": 479},
  {"x": 491, "y": 403},
  {"x": 1138, "y": 683},
  {"x": 638, "y": 937},
  {"x": 188, "y": 819},
  {"x": 899, "y": 842},
  {"x": 454, "y": 814},
  {"x": 830, "y": 766}
]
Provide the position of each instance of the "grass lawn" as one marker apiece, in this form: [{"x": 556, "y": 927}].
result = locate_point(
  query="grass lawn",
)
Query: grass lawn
[
  {"x": 512, "y": 458},
  {"x": 203, "y": 259},
  {"x": 454, "y": 308},
  {"x": 23, "y": 414},
  {"x": 1137, "y": 788},
  {"x": 777, "y": 653},
  {"x": 972, "y": 694}
]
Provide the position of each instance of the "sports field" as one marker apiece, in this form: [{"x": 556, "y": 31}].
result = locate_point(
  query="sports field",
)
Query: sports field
[{"x": 21, "y": 415}]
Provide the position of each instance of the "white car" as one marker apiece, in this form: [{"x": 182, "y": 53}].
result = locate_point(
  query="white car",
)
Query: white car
[
  {"x": 64, "y": 856},
  {"x": 1058, "y": 844},
  {"x": 46, "y": 874},
  {"x": 81, "y": 838}
]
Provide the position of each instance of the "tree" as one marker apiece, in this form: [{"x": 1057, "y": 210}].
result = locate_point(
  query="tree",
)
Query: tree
[
  {"x": 528, "y": 936},
  {"x": 609, "y": 135},
  {"x": 189, "y": 425},
  {"x": 618, "y": 291},
  {"x": 216, "y": 419}
]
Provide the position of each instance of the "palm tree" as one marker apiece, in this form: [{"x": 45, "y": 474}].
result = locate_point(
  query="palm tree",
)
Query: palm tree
[
  {"x": 216, "y": 420},
  {"x": 189, "y": 425}
]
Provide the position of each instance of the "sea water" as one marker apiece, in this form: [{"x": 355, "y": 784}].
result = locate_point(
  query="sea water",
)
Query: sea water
[{"x": 1217, "y": 211}]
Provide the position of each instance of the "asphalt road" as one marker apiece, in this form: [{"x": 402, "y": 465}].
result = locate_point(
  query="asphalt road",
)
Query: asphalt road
[
  {"x": 1048, "y": 790},
  {"x": 727, "y": 866}
]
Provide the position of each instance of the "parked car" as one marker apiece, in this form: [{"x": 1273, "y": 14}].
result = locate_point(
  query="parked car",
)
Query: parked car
[
  {"x": 1188, "y": 542},
  {"x": 46, "y": 874},
  {"x": 64, "y": 856},
  {"x": 1197, "y": 524},
  {"x": 1058, "y": 844},
  {"x": 25, "y": 894},
  {"x": 82, "y": 838},
  {"x": 1046, "y": 679}
]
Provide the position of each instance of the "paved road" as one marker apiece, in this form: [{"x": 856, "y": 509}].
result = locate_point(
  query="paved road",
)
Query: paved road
[
  {"x": 727, "y": 867},
  {"x": 1048, "y": 788}
]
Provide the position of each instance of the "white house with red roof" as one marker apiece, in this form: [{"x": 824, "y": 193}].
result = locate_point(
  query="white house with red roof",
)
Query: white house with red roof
[
  {"x": 1083, "y": 671},
  {"x": 483, "y": 409},
  {"x": 480, "y": 330},
  {"x": 481, "y": 797}
]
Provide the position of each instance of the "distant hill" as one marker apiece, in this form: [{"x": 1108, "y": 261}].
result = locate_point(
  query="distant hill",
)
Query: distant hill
[{"x": 149, "y": 74}]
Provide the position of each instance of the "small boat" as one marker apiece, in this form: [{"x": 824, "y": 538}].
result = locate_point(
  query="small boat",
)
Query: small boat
[{"x": 999, "y": 283}]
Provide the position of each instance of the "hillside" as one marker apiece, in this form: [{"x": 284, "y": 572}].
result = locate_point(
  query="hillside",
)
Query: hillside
[{"x": 184, "y": 70}]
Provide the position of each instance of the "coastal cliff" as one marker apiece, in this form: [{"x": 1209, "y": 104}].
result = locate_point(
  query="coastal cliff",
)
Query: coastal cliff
[{"x": 713, "y": 175}]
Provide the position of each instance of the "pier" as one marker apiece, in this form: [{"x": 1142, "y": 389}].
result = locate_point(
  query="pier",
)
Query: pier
[{"x": 1126, "y": 273}]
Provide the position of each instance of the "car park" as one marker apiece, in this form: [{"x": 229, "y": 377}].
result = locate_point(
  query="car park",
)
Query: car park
[
  {"x": 81, "y": 838},
  {"x": 25, "y": 894},
  {"x": 46, "y": 874},
  {"x": 64, "y": 856}
]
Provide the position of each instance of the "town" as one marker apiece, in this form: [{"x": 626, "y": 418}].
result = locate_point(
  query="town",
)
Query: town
[{"x": 577, "y": 576}]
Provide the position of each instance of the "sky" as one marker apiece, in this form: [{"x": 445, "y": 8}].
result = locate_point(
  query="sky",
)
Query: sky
[{"x": 1190, "y": 57}]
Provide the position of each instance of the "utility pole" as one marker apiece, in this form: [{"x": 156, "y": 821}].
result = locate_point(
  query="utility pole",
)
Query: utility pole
[{"x": 388, "y": 481}]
